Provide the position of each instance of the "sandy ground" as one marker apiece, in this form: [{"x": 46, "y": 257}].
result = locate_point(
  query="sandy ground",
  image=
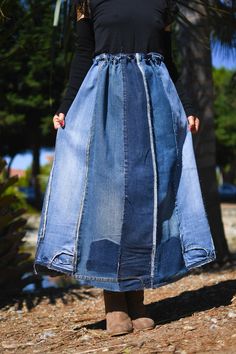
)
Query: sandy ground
[{"x": 196, "y": 314}]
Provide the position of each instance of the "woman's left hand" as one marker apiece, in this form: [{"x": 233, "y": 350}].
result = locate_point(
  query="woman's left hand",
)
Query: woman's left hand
[{"x": 193, "y": 123}]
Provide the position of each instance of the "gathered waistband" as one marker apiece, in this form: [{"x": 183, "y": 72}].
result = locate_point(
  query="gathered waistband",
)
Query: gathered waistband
[{"x": 139, "y": 56}]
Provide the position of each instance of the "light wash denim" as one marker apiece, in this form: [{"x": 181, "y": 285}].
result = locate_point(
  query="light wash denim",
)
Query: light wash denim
[{"x": 123, "y": 208}]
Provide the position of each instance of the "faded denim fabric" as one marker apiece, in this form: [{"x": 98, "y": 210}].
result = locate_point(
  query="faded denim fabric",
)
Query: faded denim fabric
[{"x": 123, "y": 208}]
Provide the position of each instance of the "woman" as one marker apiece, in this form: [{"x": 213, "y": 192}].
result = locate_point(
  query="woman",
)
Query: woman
[{"x": 123, "y": 209}]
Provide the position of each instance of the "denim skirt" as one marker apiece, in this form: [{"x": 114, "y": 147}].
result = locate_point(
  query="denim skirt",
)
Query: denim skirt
[{"x": 123, "y": 209}]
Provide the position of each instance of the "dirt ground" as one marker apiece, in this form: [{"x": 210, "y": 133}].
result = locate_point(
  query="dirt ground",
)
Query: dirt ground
[{"x": 196, "y": 314}]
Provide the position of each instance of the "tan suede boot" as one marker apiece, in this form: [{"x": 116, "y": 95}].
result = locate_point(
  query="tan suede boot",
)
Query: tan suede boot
[
  {"x": 118, "y": 321},
  {"x": 137, "y": 312}
]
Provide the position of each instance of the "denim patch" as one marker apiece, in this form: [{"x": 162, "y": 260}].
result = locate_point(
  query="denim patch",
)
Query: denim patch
[
  {"x": 63, "y": 260},
  {"x": 103, "y": 256}
]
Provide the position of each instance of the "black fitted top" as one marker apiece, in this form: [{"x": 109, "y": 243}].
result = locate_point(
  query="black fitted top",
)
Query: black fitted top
[{"x": 121, "y": 26}]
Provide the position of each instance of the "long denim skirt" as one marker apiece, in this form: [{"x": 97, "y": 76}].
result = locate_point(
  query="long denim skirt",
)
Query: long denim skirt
[{"x": 123, "y": 208}]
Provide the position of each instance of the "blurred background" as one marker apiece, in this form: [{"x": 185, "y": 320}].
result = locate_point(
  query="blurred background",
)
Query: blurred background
[{"x": 36, "y": 48}]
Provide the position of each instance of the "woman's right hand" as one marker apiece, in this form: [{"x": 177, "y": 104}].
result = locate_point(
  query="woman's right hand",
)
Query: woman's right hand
[{"x": 59, "y": 120}]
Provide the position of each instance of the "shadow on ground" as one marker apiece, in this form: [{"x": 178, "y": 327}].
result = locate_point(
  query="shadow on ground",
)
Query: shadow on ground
[
  {"x": 31, "y": 300},
  {"x": 163, "y": 311},
  {"x": 187, "y": 303},
  {"x": 190, "y": 302}
]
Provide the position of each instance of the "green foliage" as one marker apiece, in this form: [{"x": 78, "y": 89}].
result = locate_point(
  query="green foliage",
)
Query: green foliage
[
  {"x": 13, "y": 263},
  {"x": 33, "y": 70},
  {"x": 225, "y": 119},
  {"x": 25, "y": 71}
]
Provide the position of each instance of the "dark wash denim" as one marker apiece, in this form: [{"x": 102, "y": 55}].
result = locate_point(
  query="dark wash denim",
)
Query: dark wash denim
[{"x": 123, "y": 208}]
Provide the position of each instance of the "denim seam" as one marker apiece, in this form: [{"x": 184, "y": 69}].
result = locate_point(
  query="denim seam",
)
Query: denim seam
[
  {"x": 209, "y": 251},
  {"x": 196, "y": 247},
  {"x": 58, "y": 254},
  {"x": 201, "y": 263},
  {"x": 176, "y": 169},
  {"x": 114, "y": 280},
  {"x": 205, "y": 211},
  {"x": 43, "y": 229},
  {"x": 54, "y": 267},
  {"x": 51, "y": 266},
  {"x": 189, "y": 168},
  {"x": 125, "y": 162},
  {"x": 81, "y": 212},
  {"x": 117, "y": 280},
  {"x": 155, "y": 202}
]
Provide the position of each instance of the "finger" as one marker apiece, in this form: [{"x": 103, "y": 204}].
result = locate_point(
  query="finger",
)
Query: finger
[
  {"x": 197, "y": 123},
  {"x": 61, "y": 116},
  {"x": 57, "y": 125},
  {"x": 193, "y": 124},
  {"x": 57, "y": 120},
  {"x": 191, "y": 120}
]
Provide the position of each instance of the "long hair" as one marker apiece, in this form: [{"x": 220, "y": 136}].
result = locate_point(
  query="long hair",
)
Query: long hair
[
  {"x": 80, "y": 7},
  {"x": 172, "y": 10}
]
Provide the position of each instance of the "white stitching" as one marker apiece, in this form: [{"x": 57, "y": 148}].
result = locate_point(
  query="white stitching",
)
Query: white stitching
[
  {"x": 75, "y": 261},
  {"x": 154, "y": 171}
]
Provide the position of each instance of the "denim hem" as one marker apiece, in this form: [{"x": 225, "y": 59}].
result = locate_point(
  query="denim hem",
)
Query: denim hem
[
  {"x": 118, "y": 284},
  {"x": 201, "y": 263},
  {"x": 122, "y": 284},
  {"x": 49, "y": 267}
]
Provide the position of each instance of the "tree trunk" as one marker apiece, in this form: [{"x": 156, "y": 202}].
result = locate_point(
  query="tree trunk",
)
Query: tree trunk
[
  {"x": 197, "y": 76},
  {"x": 8, "y": 171}
]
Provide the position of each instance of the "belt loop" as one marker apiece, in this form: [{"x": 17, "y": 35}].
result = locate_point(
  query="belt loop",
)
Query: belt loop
[
  {"x": 156, "y": 57},
  {"x": 138, "y": 57}
]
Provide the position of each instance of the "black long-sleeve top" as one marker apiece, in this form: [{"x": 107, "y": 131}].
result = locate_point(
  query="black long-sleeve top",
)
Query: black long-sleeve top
[{"x": 116, "y": 26}]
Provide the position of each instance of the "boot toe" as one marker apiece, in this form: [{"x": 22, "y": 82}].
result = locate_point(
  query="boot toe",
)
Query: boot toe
[
  {"x": 120, "y": 328},
  {"x": 143, "y": 323}
]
